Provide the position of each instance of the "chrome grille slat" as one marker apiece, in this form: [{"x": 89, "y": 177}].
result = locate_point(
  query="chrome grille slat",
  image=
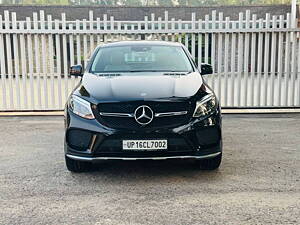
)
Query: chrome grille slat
[
  {"x": 117, "y": 114},
  {"x": 170, "y": 114}
]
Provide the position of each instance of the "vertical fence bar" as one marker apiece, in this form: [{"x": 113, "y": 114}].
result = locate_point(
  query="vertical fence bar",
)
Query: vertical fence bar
[
  {"x": 84, "y": 43},
  {"x": 193, "y": 46},
  {"x": 180, "y": 28},
  {"x": 31, "y": 59},
  {"x": 91, "y": 19},
  {"x": 287, "y": 62},
  {"x": 16, "y": 61},
  {"x": 112, "y": 27},
  {"x": 293, "y": 70},
  {"x": 37, "y": 60},
  {"x": 58, "y": 63},
  {"x": 23, "y": 64},
  {"x": 208, "y": 44},
  {"x": 253, "y": 61},
  {"x": 65, "y": 55},
  {"x": 144, "y": 27},
  {"x": 220, "y": 54},
  {"x": 193, "y": 38},
  {"x": 78, "y": 45},
  {"x": 259, "y": 62},
  {"x": 9, "y": 59},
  {"x": 200, "y": 39},
  {"x": 199, "y": 61},
  {"x": 233, "y": 63},
  {"x": 206, "y": 39},
  {"x": 298, "y": 69},
  {"x": 120, "y": 29},
  {"x": 246, "y": 61},
  {"x": 273, "y": 62},
  {"x": 152, "y": 21},
  {"x": 44, "y": 59},
  {"x": 173, "y": 29},
  {"x": 166, "y": 25},
  {"x": 146, "y": 23},
  {"x": 51, "y": 61},
  {"x": 240, "y": 60},
  {"x": 280, "y": 61},
  {"x": 98, "y": 29},
  {"x": 213, "y": 47},
  {"x": 226, "y": 64},
  {"x": 104, "y": 28},
  {"x": 72, "y": 54},
  {"x": 186, "y": 38},
  {"x": 266, "y": 62},
  {"x": 2, "y": 67}
]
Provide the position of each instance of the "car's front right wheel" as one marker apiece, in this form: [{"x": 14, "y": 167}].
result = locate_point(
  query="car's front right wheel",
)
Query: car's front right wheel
[
  {"x": 76, "y": 165},
  {"x": 210, "y": 163}
]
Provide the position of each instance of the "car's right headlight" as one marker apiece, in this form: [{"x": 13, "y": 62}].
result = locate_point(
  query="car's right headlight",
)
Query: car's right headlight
[
  {"x": 80, "y": 107},
  {"x": 206, "y": 106}
]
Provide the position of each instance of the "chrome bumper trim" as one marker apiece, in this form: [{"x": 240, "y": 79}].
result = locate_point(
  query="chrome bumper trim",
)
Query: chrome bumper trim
[{"x": 82, "y": 158}]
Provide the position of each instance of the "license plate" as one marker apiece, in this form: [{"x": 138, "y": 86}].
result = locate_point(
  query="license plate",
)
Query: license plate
[{"x": 145, "y": 144}]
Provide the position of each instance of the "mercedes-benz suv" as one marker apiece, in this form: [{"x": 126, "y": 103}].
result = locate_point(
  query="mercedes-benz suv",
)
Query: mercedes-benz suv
[{"x": 141, "y": 100}]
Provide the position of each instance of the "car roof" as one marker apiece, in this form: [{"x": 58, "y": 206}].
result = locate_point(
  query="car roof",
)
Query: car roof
[{"x": 135, "y": 43}]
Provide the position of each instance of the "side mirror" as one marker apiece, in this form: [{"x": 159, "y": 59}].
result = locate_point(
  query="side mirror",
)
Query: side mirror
[
  {"x": 76, "y": 71},
  {"x": 206, "y": 69}
]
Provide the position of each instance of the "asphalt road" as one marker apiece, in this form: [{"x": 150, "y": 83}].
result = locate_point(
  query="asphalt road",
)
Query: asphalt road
[{"x": 257, "y": 183}]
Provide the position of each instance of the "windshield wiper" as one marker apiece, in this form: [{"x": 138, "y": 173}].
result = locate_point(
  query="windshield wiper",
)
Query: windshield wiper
[
  {"x": 138, "y": 71},
  {"x": 171, "y": 71}
]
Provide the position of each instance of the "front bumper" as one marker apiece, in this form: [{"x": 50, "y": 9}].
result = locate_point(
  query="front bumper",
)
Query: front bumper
[
  {"x": 90, "y": 159},
  {"x": 198, "y": 139}
]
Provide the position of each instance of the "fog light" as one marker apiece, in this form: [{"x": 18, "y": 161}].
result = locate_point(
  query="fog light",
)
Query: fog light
[
  {"x": 79, "y": 139},
  {"x": 207, "y": 136}
]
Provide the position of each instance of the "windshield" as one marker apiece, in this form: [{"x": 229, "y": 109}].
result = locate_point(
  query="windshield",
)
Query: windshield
[{"x": 141, "y": 58}]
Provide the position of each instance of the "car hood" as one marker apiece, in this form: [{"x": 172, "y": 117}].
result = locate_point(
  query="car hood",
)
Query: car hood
[{"x": 141, "y": 86}]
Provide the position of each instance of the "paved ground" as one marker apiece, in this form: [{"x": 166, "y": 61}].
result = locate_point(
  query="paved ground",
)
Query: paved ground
[{"x": 258, "y": 182}]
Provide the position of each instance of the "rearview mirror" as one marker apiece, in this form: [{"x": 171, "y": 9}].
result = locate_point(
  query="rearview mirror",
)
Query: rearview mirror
[
  {"x": 76, "y": 70},
  {"x": 206, "y": 69}
]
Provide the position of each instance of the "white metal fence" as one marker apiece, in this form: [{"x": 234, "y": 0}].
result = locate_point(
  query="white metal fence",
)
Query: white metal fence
[{"x": 256, "y": 61}]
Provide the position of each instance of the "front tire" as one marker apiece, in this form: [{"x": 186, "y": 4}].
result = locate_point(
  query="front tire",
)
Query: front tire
[
  {"x": 77, "y": 166},
  {"x": 210, "y": 163}
]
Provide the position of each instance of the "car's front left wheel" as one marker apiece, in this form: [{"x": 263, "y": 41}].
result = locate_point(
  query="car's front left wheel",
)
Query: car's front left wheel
[{"x": 77, "y": 166}]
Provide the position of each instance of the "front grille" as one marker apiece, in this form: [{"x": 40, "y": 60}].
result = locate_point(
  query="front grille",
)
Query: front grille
[{"x": 157, "y": 107}]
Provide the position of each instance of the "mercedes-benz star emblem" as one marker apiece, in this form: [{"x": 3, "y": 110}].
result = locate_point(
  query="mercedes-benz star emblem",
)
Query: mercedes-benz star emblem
[{"x": 143, "y": 115}]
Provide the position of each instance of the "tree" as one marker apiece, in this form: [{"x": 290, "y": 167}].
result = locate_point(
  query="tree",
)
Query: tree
[
  {"x": 45, "y": 2},
  {"x": 146, "y": 2},
  {"x": 165, "y": 2},
  {"x": 131, "y": 2}
]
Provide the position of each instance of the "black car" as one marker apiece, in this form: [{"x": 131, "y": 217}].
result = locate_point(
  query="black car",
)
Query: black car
[{"x": 142, "y": 100}]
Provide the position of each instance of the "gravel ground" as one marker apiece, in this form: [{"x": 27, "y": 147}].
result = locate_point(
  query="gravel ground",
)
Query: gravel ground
[{"x": 257, "y": 183}]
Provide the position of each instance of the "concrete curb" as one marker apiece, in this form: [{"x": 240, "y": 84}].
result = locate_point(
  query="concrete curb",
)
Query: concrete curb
[
  {"x": 33, "y": 113},
  {"x": 224, "y": 111}
]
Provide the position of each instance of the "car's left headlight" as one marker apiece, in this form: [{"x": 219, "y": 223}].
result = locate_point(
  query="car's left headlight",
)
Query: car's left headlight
[
  {"x": 80, "y": 107},
  {"x": 206, "y": 106}
]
